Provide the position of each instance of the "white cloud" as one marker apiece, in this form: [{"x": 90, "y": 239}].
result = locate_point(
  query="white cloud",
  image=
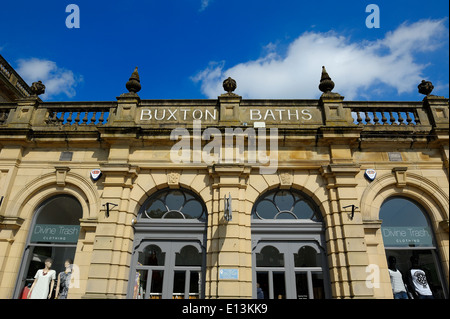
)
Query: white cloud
[
  {"x": 205, "y": 4},
  {"x": 355, "y": 67},
  {"x": 56, "y": 80}
]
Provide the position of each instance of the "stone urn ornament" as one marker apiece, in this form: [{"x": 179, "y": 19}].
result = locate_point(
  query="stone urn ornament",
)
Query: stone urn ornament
[
  {"x": 37, "y": 88},
  {"x": 229, "y": 85},
  {"x": 425, "y": 87},
  {"x": 326, "y": 84},
  {"x": 134, "y": 84}
]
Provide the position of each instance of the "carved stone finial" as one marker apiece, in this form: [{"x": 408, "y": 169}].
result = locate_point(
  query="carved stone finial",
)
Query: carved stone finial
[
  {"x": 326, "y": 84},
  {"x": 229, "y": 85},
  {"x": 134, "y": 84},
  {"x": 37, "y": 88},
  {"x": 425, "y": 87}
]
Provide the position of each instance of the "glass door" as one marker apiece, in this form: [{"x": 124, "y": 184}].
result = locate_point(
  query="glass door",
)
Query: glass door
[
  {"x": 168, "y": 270},
  {"x": 289, "y": 270}
]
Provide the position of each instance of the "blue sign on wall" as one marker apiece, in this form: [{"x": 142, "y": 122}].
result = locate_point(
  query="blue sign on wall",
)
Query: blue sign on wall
[{"x": 229, "y": 273}]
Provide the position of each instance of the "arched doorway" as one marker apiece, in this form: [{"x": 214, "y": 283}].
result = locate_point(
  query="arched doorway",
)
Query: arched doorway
[
  {"x": 409, "y": 238},
  {"x": 169, "y": 247},
  {"x": 289, "y": 259},
  {"x": 53, "y": 234}
]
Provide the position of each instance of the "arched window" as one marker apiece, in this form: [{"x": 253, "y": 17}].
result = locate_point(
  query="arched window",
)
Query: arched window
[
  {"x": 285, "y": 204},
  {"x": 173, "y": 204},
  {"x": 53, "y": 234},
  {"x": 409, "y": 240},
  {"x": 289, "y": 260},
  {"x": 169, "y": 252}
]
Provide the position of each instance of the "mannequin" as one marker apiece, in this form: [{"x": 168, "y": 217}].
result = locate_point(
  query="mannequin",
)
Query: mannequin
[
  {"x": 42, "y": 280},
  {"x": 62, "y": 287},
  {"x": 398, "y": 286},
  {"x": 418, "y": 280}
]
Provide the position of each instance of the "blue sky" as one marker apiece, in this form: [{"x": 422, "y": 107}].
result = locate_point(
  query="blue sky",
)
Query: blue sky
[{"x": 184, "y": 49}]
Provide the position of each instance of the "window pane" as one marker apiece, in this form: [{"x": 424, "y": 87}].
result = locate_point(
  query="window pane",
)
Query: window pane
[
  {"x": 156, "y": 209},
  {"x": 317, "y": 283},
  {"x": 284, "y": 204},
  {"x": 266, "y": 209},
  {"x": 284, "y": 200},
  {"x": 402, "y": 212},
  {"x": 307, "y": 257},
  {"x": 285, "y": 215},
  {"x": 174, "y": 200},
  {"x": 269, "y": 257},
  {"x": 262, "y": 285},
  {"x": 279, "y": 285},
  {"x": 174, "y": 215},
  {"x": 303, "y": 211},
  {"x": 404, "y": 224},
  {"x": 194, "y": 285},
  {"x": 426, "y": 262},
  {"x": 192, "y": 209},
  {"x": 60, "y": 210},
  {"x": 157, "y": 284},
  {"x": 152, "y": 256},
  {"x": 188, "y": 256},
  {"x": 179, "y": 280},
  {"x": 301, "y": 283},
  {"x": 38, "y": 256},
  {"x": 174, "y": 204}
]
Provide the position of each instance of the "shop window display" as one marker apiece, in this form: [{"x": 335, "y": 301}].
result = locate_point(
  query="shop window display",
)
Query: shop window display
[
  {"x": 412, "y": 256},
  {"x": 53, "y": 236}
]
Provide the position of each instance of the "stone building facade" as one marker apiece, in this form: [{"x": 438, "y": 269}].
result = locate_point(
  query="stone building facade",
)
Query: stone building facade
[{"x": 224, "y": 198}]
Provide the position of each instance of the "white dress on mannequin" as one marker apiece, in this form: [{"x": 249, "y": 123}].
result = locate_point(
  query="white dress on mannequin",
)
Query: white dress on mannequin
[{"x": 42, "y": 286}]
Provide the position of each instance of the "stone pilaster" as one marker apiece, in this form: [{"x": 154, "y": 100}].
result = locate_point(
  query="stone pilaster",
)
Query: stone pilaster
[
  {"x": 229, "y": 242},
  {"x": 112, "y": 248},
  {"x": 347, "y": 249},
  {"x": 437, "y": 108},
  {"x": 125, "y": 114},
  {"x": 229, "y": 109}
]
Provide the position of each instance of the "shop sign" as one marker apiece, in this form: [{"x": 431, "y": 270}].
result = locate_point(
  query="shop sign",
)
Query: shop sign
[
  {"x": 407, "y": 236},
  {"x": 55, "y": 233}
]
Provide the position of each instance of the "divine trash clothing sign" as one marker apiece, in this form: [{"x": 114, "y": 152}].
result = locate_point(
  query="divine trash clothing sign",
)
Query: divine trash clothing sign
[
  {"x": 55, "y": 233},
  {"x": 407, "y": 236}
]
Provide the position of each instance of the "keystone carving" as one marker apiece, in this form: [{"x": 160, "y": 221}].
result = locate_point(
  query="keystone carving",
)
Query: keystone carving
[{"x": 173, "y": 179}]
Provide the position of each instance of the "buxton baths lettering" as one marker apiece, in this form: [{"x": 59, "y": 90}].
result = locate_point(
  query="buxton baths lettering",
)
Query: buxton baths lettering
[
  {"x": 279, "y": 115},
  {"x": 185, "y": 114},
  {"x": 178, "y": 114}
]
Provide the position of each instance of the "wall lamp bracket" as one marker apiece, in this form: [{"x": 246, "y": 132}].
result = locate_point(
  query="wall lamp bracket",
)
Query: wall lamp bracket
[
  {"x": 228, "y": 210},
  {"x": 109, "y": 207},
  {"x": 352, "y": 214}
]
